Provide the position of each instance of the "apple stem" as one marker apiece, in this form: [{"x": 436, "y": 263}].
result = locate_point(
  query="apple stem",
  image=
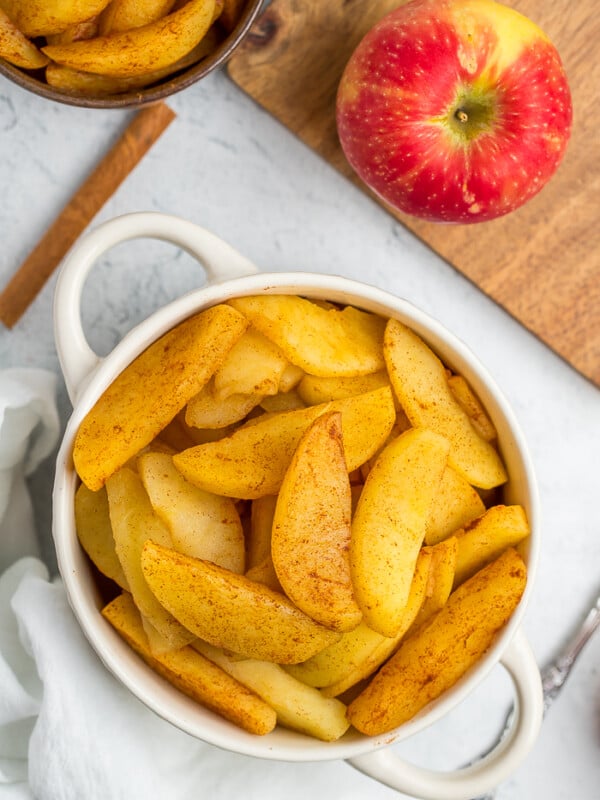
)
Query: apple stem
[{"x": 461, "y": 115}]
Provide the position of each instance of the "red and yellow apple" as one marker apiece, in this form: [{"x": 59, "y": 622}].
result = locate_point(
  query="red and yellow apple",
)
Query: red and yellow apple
[{"x": 454, "y": 110}]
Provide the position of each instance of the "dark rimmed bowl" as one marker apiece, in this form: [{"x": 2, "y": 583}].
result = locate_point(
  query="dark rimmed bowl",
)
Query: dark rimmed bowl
[{"x": 33, "y": 81}]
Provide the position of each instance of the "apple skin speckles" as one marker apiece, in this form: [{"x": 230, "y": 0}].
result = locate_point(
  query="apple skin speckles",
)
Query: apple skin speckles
[{"x": 408, "y": 86}]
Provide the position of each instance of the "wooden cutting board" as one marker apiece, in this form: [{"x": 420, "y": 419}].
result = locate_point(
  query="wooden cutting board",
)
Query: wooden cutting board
[{"x": 541, "y": 262}]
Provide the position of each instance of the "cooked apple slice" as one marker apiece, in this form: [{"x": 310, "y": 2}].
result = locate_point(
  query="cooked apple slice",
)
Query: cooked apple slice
[
  {"x": 253, "y": 460},
  {"x": 133, "y": 521},
  {"x": 141, "y": 50},
  {"x": 78, "y": 82},
  {"x": 441, "y": 651},
  {"x": 206, "y": 410},
  {"x": 16, "y": 48},
  {"x": 230, "y": 611},
  {"x": 389, "y": 525},
  {"x": 421, "y": 385},
  {"x": 298, "y": 706},
  {"x": 124, "y": 15},
  {"x": 145, "y": 397},
  {"x": 201, "y": 524},
  {"x": 291, "y": 377},
  {"x": 78, "y": 32},
  {"x": 326, "y": 342},
  {"x": 43, "y": 17},
  {"x": 254, "y": 365},
  {"x": 473, "y": 407},
  {"x": 361, "y": 651},
  {"x": 314, "y": 390},
  {"x": 487, "y": 537},
  {"x": 440, "y": 580},
  {"x": 311, "y": 528},
  {"x": 94, "y": 531},
  {"x": 193, "y": 674},
  {"x": 456, "y": 504}
]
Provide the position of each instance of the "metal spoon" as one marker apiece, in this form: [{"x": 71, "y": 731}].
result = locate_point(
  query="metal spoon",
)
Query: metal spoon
[{"x": 555, "y": 674}]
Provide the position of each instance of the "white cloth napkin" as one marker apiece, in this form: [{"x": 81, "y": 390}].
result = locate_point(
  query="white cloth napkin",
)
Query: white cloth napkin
[
  {"x": 28, "y": 432},
  {"x": 68, "y": 729}
]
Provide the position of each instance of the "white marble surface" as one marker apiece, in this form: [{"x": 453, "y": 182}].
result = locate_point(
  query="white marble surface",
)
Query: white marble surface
[{"x": 228, "y": 166}]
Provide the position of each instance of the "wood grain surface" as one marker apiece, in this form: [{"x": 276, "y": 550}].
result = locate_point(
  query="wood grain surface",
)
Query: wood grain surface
[{"x": 541, "y": 262}]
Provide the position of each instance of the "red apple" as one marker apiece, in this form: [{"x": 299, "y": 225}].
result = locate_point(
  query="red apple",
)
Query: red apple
[{"x": 454, "y": 110}]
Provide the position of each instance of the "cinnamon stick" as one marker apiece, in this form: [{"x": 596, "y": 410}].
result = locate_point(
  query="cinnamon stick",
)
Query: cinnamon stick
[{"x": 139, "y": 136}]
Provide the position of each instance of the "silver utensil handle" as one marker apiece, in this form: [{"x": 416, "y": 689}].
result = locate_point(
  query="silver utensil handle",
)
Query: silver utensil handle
[{"x": 555, "y": 674}]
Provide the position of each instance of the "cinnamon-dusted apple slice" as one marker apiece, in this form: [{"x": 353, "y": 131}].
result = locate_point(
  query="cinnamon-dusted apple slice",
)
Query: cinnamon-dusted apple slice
[
  {"x": 322, "y": 341},
  {"x": 361, "y": 651},
  {"x": 390, "y": 522},
  {"x": 44, "y": 17},
  {"x": 298, "y": 706},
  {"x": 457, "y": 503},
  {"x": 441, "y": 651},
  {"x": 192, "y": 673},
  {"x": 94, "y": 531},
  {"x": 421, "y": 385},
  {"x": 252, "y": 461},
  {"x": 486, "y": 537},
  {"x": 133, "y": 521},
  {"x": 16, "y": 48},
  {"x": 141, "y": 50},
  {"x": 201, "y": 524},
  {"x": 145, "y": 397},
  {"x": 230, "y": 611},
  {"x": 311, "y": 529}
]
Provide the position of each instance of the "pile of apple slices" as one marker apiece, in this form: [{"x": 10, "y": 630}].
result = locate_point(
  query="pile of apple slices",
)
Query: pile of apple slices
[
  {"x": 105, "y": 47},
  {"x": 297, "y": 504}
]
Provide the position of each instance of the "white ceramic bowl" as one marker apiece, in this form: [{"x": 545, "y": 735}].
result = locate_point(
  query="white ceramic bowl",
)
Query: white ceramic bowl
[{"x": 86, "y": 375}]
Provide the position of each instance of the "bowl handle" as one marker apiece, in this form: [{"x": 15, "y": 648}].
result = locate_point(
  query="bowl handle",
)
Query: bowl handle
[
  {"x": 220, "y": 261},
  {"x": 484, "y": 775}
]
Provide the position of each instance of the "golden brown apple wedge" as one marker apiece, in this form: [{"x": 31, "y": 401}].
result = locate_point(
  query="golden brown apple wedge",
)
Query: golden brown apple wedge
[
  {"x": 124, "y": 15},
  {"x": 230, "y": 611},
  {"x": 389, "y": 525},
  {"x": 45, "y": 17},
  {"x": 78, "y": 82},
  {"x": 145, "y": 397},
  {"x": 456, "y": 504},
  {"x": 16, "y": 48},
  {"x": 361, "y": 651},
  {"x": 311, "y": 528},
  {"x": 254, "y": 365},
  {"x": 314, "y": 390},
  {"x": 201, "y": 524},
  {"x": 487, "y": 537},
  {"x": 440, "y": 580},
  {"x": 193, "y": 674},
  {"x": 264, "y": 572},
  {"x": 297, "y": 705},
  {"x": 473, "y": 407},
  {"x": 421, "y": 385},
  {"x": 252, "y": 461},
  {"x": 94, "y": 531},
  {"x": 133, "y": 521},
  {"x": 325, "y": 342},
  {"x": 141, "y": 50},
  {"x": 441, "y": 651},
  {"x": 206, "y": 411}
]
